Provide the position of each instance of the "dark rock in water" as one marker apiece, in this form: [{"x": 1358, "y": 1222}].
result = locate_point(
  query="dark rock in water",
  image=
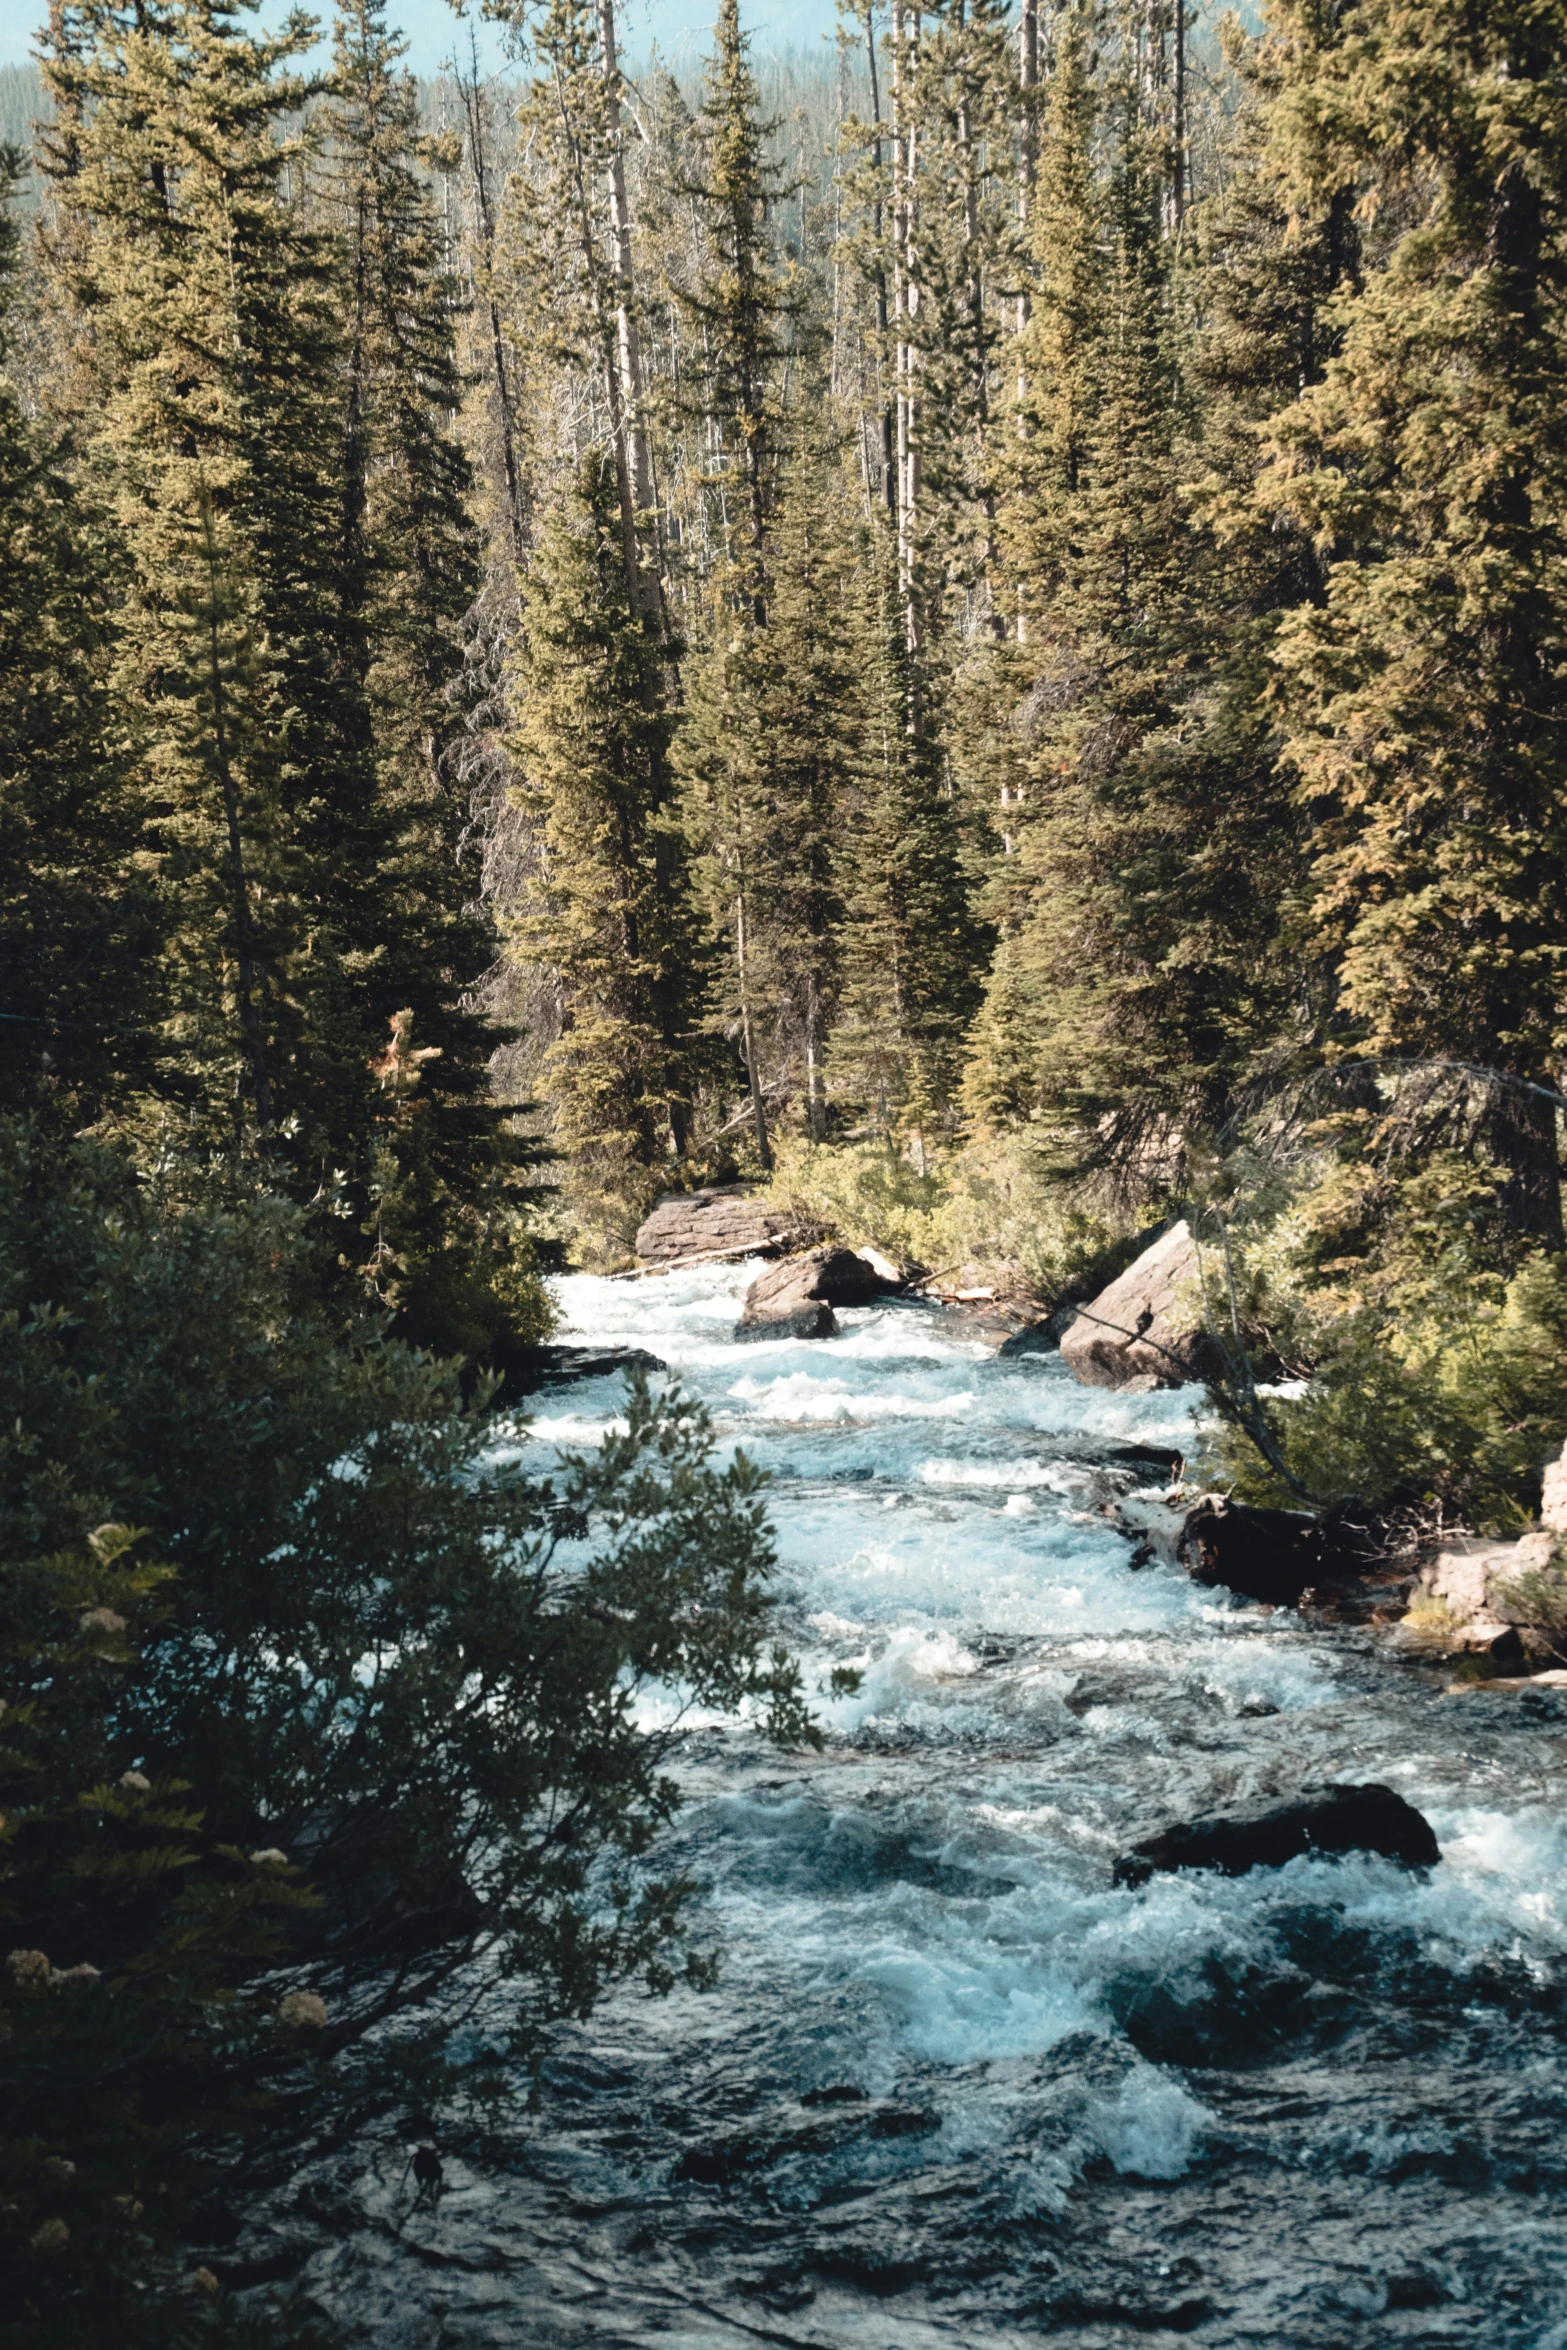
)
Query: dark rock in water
[
  {"x": 525, "y": 1369},
  {"x": 1168, "y": 1458},
  {"x": 801, "y": 1320},
  {"x": 841, "y": 2093},
  {"x": 1267, "y": 1555},
  {"x": 1035, "y": 1338},
  {"x": 1287, "y": 1558},
  {"x": 795, "y": 1299},
  {"x": 1265, "y": 1835}
]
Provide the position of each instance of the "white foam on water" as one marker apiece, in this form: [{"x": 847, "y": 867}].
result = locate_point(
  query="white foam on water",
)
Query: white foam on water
[
  {"x": 897, "y": 1677},
  {"x": 800, "y": 1395},
  {"x": 917, "y": 1509},
  {"x": 1052, "y": 1476},
  {"x": 1150, "y": 2127}
]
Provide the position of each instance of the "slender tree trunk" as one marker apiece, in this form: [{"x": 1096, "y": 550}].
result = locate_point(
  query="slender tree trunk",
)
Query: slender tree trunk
[
  {"x": 879, "y": 280},
  {"x": 764, "y": 1148},
  {"x": 244, "y": 958},
  {"x": 631, "y": 403},
  {"x": 471, "y": 95},
  {"x": 1178, "y": 119},
  {"x": 905, "y": 307}
]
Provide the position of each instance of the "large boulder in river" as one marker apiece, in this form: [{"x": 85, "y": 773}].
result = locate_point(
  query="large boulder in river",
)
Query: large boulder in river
[
  {"x": 1327, "y": 1819},
  {"x": 1142, "y": 1332},
  {"x": 796, "y": 1299},
  {"x": 1467, "y": 1602},
  {"x": 727, "y": 1222},
  {"x": 1270, "y": 1556}
]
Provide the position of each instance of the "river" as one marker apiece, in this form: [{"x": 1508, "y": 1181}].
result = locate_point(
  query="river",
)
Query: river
[{"x": 953, "y": 2088}]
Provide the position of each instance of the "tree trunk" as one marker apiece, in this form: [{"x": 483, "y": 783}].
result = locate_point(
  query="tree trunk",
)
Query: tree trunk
[
  {"x": 764, "y": 1148},
  {"x": 1523, "y": 1137}
]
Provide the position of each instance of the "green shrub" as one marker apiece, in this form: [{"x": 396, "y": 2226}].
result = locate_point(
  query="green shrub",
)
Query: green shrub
[
  {"x": 140, "y": 2017},
  {"x": 1432, "y": 1356},
  {"x": 990, "y": 1203},
  {"x": 390, "y": 1650}
]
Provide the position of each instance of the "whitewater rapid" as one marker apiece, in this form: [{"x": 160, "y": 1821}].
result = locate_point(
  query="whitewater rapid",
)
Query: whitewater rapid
[{"x": 954, "y": 2087}]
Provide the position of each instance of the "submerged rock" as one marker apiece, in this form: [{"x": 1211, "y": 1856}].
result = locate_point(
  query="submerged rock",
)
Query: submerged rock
[
  {"x": 1140, "y": 1332},
  {"x": 525, "y": 1369},
  {"x": 1327, "y": 1819},
  {"x": 795, "y": 1299}
]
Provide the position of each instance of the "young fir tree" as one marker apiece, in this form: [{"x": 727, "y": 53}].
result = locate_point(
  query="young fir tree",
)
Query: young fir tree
[
  {"x": 78, "y": 907},
  {"x": 1425, "y": 692},
  {"x": 612, "y": 921}
]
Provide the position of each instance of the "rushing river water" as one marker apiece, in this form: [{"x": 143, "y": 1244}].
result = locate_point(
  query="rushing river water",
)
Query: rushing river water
[{"x": 953, "y": 2088}]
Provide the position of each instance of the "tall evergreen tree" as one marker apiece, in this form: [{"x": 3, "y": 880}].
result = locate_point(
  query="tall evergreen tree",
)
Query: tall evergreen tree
[
  {"x": 741, "y": 305},
  {"x": 912, "y": 954},
  {"x": 1144, "y": 973},
  {"x": 612, "y": 920},
  {"x": 78, "y": 902},
  {"x": 216, "y": 351},
  {"x": 1425, "y": 692},
  {"x": 444, "y": 1212},
  {"x": 769, "y": 749}
]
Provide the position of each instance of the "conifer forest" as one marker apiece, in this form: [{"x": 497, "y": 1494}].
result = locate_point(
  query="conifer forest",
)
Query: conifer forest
[{"x": 945, "y": 651}]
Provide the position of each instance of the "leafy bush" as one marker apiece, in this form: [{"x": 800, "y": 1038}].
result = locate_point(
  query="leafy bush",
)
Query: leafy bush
[
  {"x": 1433, "y": 1356},
  {"x": 389, "y": 1651},
  {"x": 137, "y": 2013}
]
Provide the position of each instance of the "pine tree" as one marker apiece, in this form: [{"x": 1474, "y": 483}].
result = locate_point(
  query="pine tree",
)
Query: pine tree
[
  {"x": 78, "y": 905},
  {"x": 912, "y": 953},
  {"x": 1424, "y": 693},
  {"x": 612, "y": 921},
  {"x": 445, "y": 1209},
  {"x": 215, "y": 436},
  {"x": 741, "y": 307},
  {"x": 769, "y": 751},
  {"x": 1145, "y": 973}
]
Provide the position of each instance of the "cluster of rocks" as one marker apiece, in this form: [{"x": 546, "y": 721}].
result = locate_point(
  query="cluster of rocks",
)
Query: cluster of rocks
[
  {"x": 796, "y": 1299},
  {"x": 792, "y": 1299},
  {"x": 1143, "y": 1330}
]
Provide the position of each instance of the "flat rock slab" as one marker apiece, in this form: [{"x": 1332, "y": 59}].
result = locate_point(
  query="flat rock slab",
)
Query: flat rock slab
[
  {"x": 708, "y": 1224},
  {"x": 1326, "y": 1819},
  {"x": 795, "y": 1299},
  {"x": 1140, "y": 1332}
]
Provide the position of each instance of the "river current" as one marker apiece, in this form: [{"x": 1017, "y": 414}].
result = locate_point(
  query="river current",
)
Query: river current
[{"x": 954, "y": 2088}]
